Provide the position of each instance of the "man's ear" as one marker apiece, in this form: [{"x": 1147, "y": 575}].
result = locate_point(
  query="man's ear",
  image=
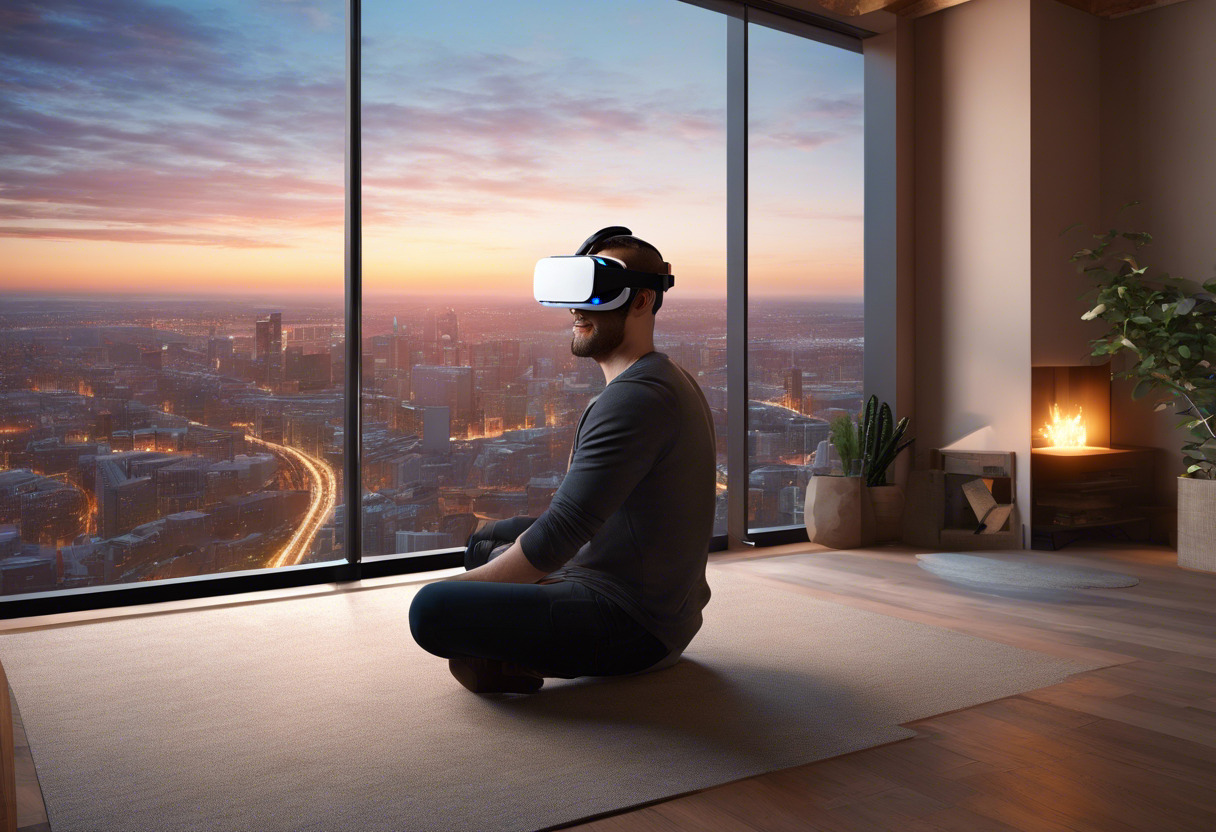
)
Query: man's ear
[{"x": 642, "y": 301}]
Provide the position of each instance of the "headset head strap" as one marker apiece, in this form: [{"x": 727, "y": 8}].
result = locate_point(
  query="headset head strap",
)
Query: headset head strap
[{"x": 601, "y": 235}]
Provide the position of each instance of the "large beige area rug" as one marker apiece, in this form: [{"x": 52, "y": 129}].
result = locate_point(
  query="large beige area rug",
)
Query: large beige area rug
[{"x": 320, "y": 713}]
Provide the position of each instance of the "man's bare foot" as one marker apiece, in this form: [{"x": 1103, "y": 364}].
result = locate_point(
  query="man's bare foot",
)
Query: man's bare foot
[{"x": 494, "y": 676}]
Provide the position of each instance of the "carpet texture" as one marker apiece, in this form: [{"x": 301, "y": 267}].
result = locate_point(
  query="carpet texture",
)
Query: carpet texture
[
  {"x": 1020, "y": 570},
  {"x": 320, "y": 713}
]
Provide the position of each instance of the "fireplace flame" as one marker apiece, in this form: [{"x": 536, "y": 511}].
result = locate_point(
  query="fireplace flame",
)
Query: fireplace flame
[{"x": 1064, "y": 432}]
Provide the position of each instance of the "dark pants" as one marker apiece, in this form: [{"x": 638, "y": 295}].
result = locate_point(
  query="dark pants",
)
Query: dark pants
[{"x": 561, "y": 629}]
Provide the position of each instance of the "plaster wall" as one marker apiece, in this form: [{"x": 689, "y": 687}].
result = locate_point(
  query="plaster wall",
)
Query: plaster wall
[
  {"x": 973, "y": 232},
  {"x": 1066, "y": 175},
  {"x": 1158, "y": 72}
]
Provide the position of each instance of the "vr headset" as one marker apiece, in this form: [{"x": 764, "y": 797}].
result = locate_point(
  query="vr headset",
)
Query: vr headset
[{"x": 592, "y": 281}]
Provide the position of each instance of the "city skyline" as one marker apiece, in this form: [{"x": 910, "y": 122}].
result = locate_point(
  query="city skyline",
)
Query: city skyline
[
  {"x": 262, "y": 300},
  {"x": 147, "y": 441}
]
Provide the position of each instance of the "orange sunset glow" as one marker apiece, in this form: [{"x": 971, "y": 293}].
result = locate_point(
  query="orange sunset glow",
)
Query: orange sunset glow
[{"x": 481, "y": 154}]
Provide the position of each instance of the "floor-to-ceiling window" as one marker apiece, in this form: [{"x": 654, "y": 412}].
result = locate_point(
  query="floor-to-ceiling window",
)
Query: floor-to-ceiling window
[
  {"x": 495, "y": 134},
  {"x": 805, "y": 226},
  {"x": 172, "y": 326},
  {"x": 171, "y": 316}
]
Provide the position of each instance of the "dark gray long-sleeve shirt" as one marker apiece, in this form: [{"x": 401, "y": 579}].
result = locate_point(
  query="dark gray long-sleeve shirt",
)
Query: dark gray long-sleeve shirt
[{"x": 634, "y": 515}]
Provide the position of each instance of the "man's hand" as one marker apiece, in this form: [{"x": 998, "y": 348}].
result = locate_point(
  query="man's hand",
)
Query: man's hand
[{"x": 511, "y": 567}]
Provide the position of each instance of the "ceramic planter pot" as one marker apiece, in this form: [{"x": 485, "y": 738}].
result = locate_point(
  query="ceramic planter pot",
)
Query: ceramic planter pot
[
  {"x": 1197, "y": 524},
  {"x": 838, "y": 512},
  {"x": 888, "y": 503}
]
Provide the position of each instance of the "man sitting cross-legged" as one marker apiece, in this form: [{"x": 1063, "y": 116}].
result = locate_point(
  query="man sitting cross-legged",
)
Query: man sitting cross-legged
[{"x": 610, "y": 579}]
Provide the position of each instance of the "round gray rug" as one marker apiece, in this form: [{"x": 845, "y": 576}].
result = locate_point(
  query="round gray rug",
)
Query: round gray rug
[{"x": 1019, "y": 572}]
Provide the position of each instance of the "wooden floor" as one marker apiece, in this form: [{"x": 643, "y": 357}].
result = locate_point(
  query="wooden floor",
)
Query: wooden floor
[
  {"x": 31, "y": 813},
  {"x": 1127, "y": 747}
]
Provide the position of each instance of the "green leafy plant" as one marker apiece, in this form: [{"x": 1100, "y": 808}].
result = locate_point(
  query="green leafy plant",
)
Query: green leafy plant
[
  {"x": 1166, "y": 327},
  {"x": 880, "y": 440},
  {"x": 843, "y": 433}
]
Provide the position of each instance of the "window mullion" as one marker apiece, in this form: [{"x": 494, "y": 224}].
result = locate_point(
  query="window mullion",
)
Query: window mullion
[
  {"x": 736, "y": 276},
  {"x": 352, "y": 428}
]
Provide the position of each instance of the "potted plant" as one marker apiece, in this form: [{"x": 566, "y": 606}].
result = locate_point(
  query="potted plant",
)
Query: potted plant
[
  {"x": 1165, "y": 327},
  {"x": 859, "y": 508},
  {"x": 880, "y": 444},
  {"x": 838, "y": 513},
  {"x": 847, "y": 442}
]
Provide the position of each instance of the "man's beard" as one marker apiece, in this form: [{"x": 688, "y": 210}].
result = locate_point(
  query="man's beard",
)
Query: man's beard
[{"x": 607, "y": 333}]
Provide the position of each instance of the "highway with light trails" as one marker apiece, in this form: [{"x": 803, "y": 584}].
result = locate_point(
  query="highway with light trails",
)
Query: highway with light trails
[{"x": 323, "y": 488}]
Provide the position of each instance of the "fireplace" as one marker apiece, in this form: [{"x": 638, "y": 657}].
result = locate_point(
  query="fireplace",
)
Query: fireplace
[{"x": 1080, "y": 484}]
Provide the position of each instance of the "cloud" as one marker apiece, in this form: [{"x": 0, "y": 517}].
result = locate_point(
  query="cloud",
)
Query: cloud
[
  {"x": 799, "y": 210},
  {"x": 818, "y": 120},
  {"x": 56, "y": 40},
  {"x": 142, "y": 122},
  {"x": 798, "y": 139},
  {"x": 548, "y": 118},
  {"x": 136, "y": 235},
  {"x": 317, "y": 16},
  {"x": 483, "y": 133},
  {"x": 534, "y": 187},
  {"x": 220, "y": 197},
  {"x": 154, "y": 122},
  {"x": 848, "y": 107}
]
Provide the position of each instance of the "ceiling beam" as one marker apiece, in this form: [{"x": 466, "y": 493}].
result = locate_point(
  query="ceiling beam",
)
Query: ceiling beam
[{"x": 920, "y": 8}]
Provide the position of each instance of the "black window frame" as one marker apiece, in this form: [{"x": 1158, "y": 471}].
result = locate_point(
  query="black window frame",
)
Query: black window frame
[{"x": 356, "y": 567}]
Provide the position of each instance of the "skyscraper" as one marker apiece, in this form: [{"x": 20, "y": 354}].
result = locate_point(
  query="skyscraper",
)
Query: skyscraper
[
  {"x": 793, "y": 389},
  {"x": 123, "y": 502},
  {"x": 268, "y": 347},
  {"x": 444, "y": 386},
  {"x": 446, "y": 325},
  {"x": 218, "y": 349},
  {"x": 261, "y": 339},
  {"x": 433, "y": 425},
  {"x": 55, "y": 513}
]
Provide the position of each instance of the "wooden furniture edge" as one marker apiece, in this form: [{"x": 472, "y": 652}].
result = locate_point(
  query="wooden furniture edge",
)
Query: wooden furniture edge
[{"x": 8, "y": 762}]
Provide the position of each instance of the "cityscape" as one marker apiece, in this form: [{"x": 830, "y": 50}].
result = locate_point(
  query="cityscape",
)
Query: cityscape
[
  {"x": 144, "y": 439},
  {"x": 172, "y": 331}
]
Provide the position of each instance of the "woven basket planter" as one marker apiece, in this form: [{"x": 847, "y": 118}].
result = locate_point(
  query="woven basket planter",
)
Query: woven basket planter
[{"x": 1197, "y": 524}]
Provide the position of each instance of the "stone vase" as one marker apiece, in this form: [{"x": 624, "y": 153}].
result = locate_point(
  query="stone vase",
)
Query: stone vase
[
  {"x": 1197, "y": 524},
  {"x": 888, "y": 504},
  {"x": 838, "y": 512}
]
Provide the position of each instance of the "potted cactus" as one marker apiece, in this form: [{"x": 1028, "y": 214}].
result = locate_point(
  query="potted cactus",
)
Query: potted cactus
[
  {"x": 859, "y": 508},
  {"x": 881, "y": 443}
]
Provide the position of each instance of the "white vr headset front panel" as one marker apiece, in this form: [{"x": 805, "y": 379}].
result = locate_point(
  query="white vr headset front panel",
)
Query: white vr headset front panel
[{"x": 568, "y": 281}]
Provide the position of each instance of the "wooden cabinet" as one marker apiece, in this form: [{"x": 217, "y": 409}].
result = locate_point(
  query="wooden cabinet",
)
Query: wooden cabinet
[{"x": 1077, "y": 492}]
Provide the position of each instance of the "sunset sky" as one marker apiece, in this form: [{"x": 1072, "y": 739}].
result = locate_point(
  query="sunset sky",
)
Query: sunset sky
[{"x": 196, "y": 146}]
